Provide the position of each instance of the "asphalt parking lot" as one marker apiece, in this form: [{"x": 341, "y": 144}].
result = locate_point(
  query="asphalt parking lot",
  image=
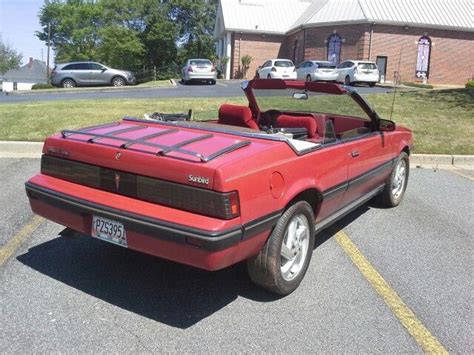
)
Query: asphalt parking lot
[
  {"x": 223, "y": 88},
  {"x": 63, "y": 293}
]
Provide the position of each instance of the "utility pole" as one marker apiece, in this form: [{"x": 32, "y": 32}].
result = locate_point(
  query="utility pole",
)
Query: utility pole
[{"x": 47, "y": 57}]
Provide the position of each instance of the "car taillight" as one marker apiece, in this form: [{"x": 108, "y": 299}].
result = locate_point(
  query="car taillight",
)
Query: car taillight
[
  {"x": 190, "y": 69},
  {"x": 223, "y": 205},
  {"x": 274, "y": 69},
  {"x": 53, "y": 73},
  {"x": 213, "y": 69}
]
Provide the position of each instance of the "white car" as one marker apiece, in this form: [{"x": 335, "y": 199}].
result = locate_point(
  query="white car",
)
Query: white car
[
  {"x": 277, "y": 69},
  {"x": 315, "y": 70},
  {"x": 355, "y": 71},
  {"x": 198, "y": 69}
]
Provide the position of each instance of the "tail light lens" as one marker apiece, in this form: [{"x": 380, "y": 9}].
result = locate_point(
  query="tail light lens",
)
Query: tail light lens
[
  {"x": 274, "y": 69},
  {"x": 223, "y": 205},
  {"x": 53, "y": 73},
  {"x": 190, "y": 69},
  {"x": 213, "y": 69}
]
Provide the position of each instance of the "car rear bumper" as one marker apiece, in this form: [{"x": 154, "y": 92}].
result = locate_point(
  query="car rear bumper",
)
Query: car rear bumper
[
  {"x": 210, "y": 250},
  {"x": 289, "y": 76},
  {"x": 201, "y": 76},
  {"x": 325, "y": 76},
  {"x": 366, "y": 78}
]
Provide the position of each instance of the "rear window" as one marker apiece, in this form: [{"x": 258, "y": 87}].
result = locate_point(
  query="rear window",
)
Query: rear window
[
  {"x": 284, "y": 63},
  {"x": 367, "y": 66},
  {"x": 200, "y": 62},
  {"x": 326, "y": 65}
]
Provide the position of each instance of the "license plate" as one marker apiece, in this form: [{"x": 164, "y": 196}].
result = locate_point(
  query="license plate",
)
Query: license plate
[{"x": 109, "y": 230}]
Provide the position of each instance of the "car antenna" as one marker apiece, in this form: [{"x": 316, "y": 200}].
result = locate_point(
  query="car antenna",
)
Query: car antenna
[{"x": 397, "y": 79}]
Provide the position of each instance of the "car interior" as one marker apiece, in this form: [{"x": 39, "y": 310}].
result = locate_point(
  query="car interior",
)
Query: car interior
[{"x": 314, "y": 127}]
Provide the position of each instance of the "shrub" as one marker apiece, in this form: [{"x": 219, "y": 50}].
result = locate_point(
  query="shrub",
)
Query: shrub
[
  {"x": 42, "y": 86},
  {"x": 470, "y": 84}
]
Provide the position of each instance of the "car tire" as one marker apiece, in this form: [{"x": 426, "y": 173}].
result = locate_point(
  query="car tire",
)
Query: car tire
[
  {"x": 212, "y": 82},
  {"x": 269, "y": 76},
  {"x": 308, "y": 78},
  {"x": 347, "y": 80},
  {"x": 281, "y": 264},
  {"x": 257, "y": 76},
  {"x": 371, "y": 85},
  {"x": 118, "y": 81},
  {"x": 68, "y": 83},
  {"x": 396, "y": 184}
]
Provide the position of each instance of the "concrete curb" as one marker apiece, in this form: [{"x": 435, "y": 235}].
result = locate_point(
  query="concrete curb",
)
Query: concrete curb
[{"x": 15, "y": 149}]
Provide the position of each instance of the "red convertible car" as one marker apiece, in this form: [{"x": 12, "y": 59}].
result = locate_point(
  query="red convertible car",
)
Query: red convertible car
[{"x": 256, "y": 184}]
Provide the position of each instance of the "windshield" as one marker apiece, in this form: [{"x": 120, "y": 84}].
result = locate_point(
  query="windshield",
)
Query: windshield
[
  {"x": 282, "y": 100},
  {"x": 367, "y": 66},
  {"x": 325, "y": 65},
  {"x": 199, "y": 62},
  {"x": 283, "y": 63}
]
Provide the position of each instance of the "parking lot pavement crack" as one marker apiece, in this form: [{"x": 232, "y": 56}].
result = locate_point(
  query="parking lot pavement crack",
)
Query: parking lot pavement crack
[{"x": 402, "y": 312}]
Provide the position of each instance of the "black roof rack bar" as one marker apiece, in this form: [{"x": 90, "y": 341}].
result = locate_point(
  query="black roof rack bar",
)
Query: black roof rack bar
[
  {"x": 66, "y": 133},
  {"x": 228, "y": 149},
  {"x": 150, "y": 136},
  {"x": 87, "y": 129},
  {"x": 118, "y": 131},
  {"x": 188, "y": 141}
]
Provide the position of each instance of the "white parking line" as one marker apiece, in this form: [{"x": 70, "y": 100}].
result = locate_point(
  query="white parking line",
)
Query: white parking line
[{"x": 221, "y": 84}]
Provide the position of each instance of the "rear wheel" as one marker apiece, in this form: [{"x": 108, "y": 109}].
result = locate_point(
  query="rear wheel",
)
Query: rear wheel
[
  {"x": 68, "y": 83},
  {"x": 371, "y": 85},
  {"x": 257, "y": 76},
  {"x": 396, "y": 184},
  {"x": 282, "y": 263},
  {"x": 269, "y": 76},
  {"x": 308, "y": 77},
  {"x": 347, "y": 80},
  {"x": 118, "y": 81},
  {"x": 212, "y": 82}
]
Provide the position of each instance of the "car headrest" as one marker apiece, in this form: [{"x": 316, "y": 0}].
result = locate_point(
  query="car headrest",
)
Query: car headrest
[{"x": 236, "y": 115}]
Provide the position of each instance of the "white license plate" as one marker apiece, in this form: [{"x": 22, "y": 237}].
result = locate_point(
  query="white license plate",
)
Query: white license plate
[{"x": 109, "y": 230}]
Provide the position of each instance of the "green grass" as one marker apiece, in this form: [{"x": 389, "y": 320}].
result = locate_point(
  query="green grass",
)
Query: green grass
[{"x": 442, "y": 120}]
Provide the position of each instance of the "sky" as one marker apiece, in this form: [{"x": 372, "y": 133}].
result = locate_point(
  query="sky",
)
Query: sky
[{"x": 18, "y": 23}]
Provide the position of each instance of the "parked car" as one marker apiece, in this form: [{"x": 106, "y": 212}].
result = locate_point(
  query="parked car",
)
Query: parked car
[
  {"x": 354, "y": 71},
  {"x": 198, "y": 70},
  {"x": 256, "y": 184},
  {"x": 277, "y": 69},
  {"x": 69, "y": 75},
  {"x": 314, "y": 70}
]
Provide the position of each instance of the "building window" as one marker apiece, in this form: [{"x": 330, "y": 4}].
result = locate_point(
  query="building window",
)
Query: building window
[
  {"x": 423, "y": 57},
  {"x": 334, "y": 49}
]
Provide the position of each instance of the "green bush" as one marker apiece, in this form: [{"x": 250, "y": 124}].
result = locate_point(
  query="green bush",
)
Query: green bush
[
  {"x": 470, "y": 84},
  {"x": 418, "y": 85},
  {"x": 42, "y": 86}
]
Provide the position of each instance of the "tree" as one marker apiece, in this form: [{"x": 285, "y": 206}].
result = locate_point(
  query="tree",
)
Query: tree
[
  {"x": 9, "y": 58},
  {"x": 196, "y": 19}
]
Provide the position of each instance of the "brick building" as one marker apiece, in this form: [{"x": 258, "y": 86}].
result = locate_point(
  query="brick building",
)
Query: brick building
[{"x": 423, "y": 40}]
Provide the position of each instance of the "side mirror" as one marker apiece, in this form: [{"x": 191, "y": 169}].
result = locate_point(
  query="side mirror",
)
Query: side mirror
[
  {"x": 300, "y": 96},
  {"x": 386, "y": 125},
  {"x": 104, "y": 69}
]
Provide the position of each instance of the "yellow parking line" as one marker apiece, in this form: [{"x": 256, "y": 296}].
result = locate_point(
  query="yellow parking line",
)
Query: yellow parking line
[
  {"x": 454, "y": 171},
  {"x": 12, "y": 245},
  {"x": 405, "y": 315}
]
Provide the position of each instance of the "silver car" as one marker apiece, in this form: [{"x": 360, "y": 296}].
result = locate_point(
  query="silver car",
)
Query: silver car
[
  {"x": 69, "y": 75},
  {"x": 315, "y": 70},
  {"x": 198, "y": 69}
]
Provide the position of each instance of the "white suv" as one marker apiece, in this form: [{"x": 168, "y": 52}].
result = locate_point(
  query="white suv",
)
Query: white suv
[
  {"x": 277, "y": 69},
  {"x": 355, "y": 71}
]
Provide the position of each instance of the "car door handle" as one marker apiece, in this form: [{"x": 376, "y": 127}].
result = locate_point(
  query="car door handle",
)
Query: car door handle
[{"x": 355, "y": 153}]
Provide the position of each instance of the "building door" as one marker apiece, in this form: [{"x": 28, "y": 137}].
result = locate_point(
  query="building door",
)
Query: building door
[{"x": 382, "y": 65}]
